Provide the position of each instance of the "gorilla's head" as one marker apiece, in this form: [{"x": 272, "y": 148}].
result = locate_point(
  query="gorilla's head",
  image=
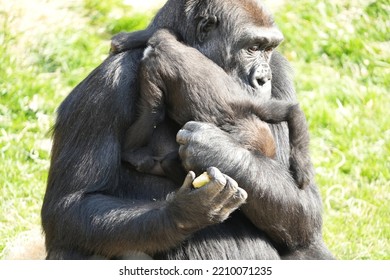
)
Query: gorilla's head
[{"x": 239, "y": 35}]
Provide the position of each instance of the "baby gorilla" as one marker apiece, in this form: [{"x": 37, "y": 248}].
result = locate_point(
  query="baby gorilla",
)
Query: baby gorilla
[{"x": 170, "y": 83}]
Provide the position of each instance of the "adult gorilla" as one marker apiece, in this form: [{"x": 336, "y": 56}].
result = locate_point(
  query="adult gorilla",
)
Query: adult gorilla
[{"x": 95, "y": 205}]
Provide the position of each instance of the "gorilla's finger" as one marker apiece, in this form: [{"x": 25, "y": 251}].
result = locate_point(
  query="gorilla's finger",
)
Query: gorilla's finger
[
  {"x": 192, "y": 125},
  {"x": 216, "y": 185},
  {"x": 188, "y": 180},
  {"x": 183, "y": 136}
]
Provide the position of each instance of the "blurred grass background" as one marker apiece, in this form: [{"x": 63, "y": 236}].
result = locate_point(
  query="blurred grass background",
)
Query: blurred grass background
[{"x": 340, "y": 51}]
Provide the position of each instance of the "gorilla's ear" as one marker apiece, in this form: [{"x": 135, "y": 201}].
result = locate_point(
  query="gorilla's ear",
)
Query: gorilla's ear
[{"x": 205, "y": 25}]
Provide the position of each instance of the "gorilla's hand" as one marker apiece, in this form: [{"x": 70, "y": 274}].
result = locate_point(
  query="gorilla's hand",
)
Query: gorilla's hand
[
  {"x": 204, "y": 144},
  {"x": 194, "y": 209}
]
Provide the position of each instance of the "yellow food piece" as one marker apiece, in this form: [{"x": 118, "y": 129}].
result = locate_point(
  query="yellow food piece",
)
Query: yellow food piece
[{"x": 201, "y": 180}]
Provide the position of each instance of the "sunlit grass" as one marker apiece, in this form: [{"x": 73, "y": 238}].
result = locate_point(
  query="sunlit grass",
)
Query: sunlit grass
[{"x": 340, "y": 54}]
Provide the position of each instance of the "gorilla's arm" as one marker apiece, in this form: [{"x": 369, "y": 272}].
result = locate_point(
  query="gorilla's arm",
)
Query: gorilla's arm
[
  {"x": 275, "y": 204},
  {"x": 289, "y": 215},
  {"x": 111, "y": 226}
]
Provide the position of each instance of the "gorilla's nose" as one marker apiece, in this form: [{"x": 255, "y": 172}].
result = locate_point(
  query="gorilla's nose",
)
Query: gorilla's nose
[{"x": 261, "y": 76}]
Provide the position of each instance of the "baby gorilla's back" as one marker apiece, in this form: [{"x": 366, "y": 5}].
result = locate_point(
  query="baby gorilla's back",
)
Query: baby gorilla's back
[
  {"x": 178, "y": 81},
  {"x": 171, "y": 83}
]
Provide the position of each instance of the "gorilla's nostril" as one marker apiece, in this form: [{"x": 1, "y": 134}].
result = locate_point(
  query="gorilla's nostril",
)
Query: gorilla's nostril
[{"x": 262, "y": 81}]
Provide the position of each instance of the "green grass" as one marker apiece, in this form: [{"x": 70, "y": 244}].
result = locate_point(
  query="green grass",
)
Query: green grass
[
  {"x": 339, "y": 51},
  {"x": 340, "y": 54}
]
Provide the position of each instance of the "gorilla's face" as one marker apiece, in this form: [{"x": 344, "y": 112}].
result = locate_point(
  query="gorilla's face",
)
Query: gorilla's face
[{"x": 241, "y": 40}]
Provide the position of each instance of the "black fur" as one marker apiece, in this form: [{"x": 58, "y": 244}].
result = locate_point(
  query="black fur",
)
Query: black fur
[
  {"x": 95, "y": 205},
  {"x": 171, "y": 79}
]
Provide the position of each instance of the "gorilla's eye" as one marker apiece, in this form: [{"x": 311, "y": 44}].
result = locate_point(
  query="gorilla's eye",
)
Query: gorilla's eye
[
  {"x": 257, "y": 48},
  {"x": 254, "y": 48}
]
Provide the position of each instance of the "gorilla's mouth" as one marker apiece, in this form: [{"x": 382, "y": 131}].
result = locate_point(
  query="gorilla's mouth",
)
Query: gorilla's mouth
[{"x": 265, "y": 90}]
